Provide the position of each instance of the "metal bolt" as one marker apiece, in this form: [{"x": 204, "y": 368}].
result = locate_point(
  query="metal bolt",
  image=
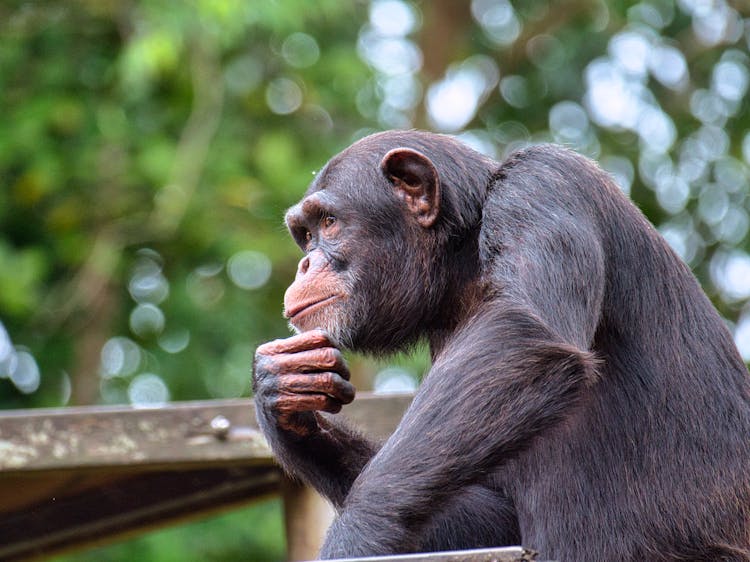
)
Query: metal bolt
[{"x": 220, "y": 427}]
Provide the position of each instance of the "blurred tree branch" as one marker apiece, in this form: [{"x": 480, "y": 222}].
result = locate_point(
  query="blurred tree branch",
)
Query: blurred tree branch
[{"x": 173, "y": 200}]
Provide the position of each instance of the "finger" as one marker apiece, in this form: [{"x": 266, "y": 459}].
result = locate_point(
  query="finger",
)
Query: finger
[
  {"x": 329, "y": 383},
  {"x": 323, "y": 359},
  {"x": 287, "y": 404},
  {"x": 301, "y": 342}
]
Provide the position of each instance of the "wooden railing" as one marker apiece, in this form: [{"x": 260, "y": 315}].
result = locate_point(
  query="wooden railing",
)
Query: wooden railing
[{"x": 75, "y": 477}]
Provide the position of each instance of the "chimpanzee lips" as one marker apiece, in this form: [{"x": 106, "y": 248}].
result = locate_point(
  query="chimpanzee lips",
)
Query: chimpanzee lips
[{"x": 308, "y": 306}]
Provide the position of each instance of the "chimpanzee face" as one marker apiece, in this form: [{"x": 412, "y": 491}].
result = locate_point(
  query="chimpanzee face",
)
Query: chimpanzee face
[{"x": 362, "y": 233}]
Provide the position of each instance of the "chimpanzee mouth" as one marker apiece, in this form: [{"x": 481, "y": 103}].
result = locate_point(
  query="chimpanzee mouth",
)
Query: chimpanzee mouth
[{"x": 307, "y": 307}]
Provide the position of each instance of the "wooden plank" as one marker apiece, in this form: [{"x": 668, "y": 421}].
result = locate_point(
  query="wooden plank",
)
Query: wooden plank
[
  {"x": 92, "y": 509},
  {"x": 95, "y": 437},
  {"x": 200, "y": 433},
  {"x": 507, "y": 554}
]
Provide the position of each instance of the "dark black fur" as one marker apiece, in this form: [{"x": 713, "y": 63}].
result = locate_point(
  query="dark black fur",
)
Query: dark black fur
[{"x": 585, "y": 398}]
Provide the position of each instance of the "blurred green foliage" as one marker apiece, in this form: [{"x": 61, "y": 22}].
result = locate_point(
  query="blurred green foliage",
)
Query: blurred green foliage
[
  {"x": 148, "y": 150},
  {"x": 247, "y": 535}
]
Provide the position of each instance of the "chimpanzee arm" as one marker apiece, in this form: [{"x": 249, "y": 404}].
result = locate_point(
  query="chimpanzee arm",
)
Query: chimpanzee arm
[
  {"x": 511, "y": 372},
  {"x": 479, "y": 516},
  {"x": 295, "y": 380},
  {"x": 329, "y": 460},
  {"x": 510, "y": 380}
]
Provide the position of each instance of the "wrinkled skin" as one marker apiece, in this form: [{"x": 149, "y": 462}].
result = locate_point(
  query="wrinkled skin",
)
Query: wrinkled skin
[{"x": 302, "y": 375}]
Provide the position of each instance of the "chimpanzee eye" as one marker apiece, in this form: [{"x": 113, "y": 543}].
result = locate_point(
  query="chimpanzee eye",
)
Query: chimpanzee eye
[
  {"x": 328, "y": 221},
  {"x": 308, "y": 235}
]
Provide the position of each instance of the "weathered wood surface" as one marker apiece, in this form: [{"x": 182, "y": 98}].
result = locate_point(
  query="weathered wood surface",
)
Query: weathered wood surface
[
  {"x": 205, "y": 433},
  {"x": 509, "y": 554},
  {"x": 80, "y": 476}
]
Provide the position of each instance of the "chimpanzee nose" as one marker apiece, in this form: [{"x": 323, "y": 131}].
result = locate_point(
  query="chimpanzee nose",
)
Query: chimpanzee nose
[{"x": 303, "y": 266}]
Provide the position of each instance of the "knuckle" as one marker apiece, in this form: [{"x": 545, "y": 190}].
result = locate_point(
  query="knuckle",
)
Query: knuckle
[
  {"x": 337, "y": 381},
  {"x": 267, "y": 347},
  {"x": 325, "y": 357},
  {"x": 330, "y": 340},
  {"x": 273, "y": 347},
  {"x": 283, "y": 404},
  {"x": 292, "y": 384},
  {"x": 320, "y": 337},
  {"x": 329, "y": 382},
  {"x": 318, "y": 333},
  {"x": 332, "y": 358},
  {"x": 340, "y": 364}
]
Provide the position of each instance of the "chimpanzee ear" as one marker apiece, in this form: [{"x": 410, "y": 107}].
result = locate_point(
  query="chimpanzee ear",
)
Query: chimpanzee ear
[{"x": 415, "y": 180}]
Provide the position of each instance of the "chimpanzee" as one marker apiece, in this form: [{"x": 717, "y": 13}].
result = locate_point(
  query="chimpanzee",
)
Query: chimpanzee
[{"x": 585, "y": 399}]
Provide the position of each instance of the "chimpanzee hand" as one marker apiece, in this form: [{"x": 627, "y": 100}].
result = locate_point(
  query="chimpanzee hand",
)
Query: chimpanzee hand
[{"x": 295, "y": 377}]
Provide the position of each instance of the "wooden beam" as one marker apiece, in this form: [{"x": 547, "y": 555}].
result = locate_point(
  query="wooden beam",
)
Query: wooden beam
[
  {"x": 97, "y": 513},
  {"x": 203, "y": 433},
  {"x": 307, "y": 517}
]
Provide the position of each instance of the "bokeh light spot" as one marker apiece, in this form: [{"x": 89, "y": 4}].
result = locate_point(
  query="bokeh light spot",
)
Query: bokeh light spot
[
  {"x": 147, "y": 283},
  {"x": 249, "y": 269},
  {"x": 498, "y": 20},
  {"x": 622, "y": 171},
  {"x": 392, "y": 18},
  {"x": 730, "y": 273},
  {"x": 283, "y": 96},
  {"x": 742, "y": 336},
  {"x": 147, "y": 320},
  {"x": 148, "y": 390},
  {"x": 25, "y": 374},
  {"x": 175, "y": 342},
  {"x": 120, "y": 357},
  {"x": 394, "y": 380},
  {"x": 300, "y": 50}
]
